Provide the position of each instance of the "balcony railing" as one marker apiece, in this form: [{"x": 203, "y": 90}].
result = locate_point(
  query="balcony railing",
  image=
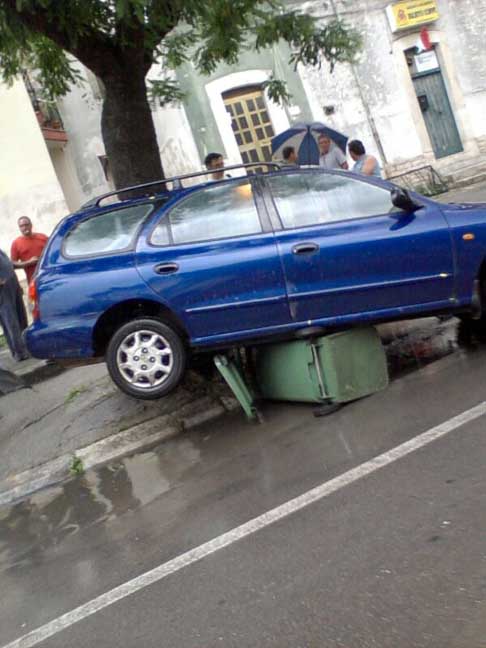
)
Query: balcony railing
[
  {"x": 47, "y": 114},
  {"x": 51, "y": 125}
]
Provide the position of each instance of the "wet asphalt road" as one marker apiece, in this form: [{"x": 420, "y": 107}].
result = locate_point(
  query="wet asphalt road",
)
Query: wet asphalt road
[{"x": 396, "y": 559}]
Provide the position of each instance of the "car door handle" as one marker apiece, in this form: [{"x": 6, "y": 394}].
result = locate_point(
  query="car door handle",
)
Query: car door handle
[
  {"x": 166, "y": 268},
  {"x": 305, "y": 248}
]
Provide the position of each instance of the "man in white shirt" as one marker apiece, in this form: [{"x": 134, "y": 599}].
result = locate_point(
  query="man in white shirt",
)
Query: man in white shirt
[
  {"x": 214, "y": 162},
  {"x": 331, "y": 156}
]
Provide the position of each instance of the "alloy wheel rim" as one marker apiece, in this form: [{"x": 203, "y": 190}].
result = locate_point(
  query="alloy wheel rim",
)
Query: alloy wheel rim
[{"x": 145, "y": 359}]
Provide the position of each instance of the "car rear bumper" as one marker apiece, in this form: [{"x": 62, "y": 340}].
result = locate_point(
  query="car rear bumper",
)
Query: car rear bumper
[{"x": 69, "y": 341}]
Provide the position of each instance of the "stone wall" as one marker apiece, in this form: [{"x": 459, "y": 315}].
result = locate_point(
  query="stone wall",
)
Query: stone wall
[{"x": 374, "y": 99}]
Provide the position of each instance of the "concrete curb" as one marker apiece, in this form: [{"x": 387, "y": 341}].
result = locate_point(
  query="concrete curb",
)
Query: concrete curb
[
  {"x": 42, "y": 372},
  {"x": 138, "y": 438},
  {"x": 31, "y": 371}
]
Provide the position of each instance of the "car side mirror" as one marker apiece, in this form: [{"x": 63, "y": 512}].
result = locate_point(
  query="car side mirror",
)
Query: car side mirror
[{"x": 403, "y": 200}]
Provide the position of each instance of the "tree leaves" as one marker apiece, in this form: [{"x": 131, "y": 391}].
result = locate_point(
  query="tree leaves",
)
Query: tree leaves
[
  {"x": 20, "y": 50},
  {"x": 164, "y": 91},
  {"x": 334, "y": 43},
  {"x": 277, "y": 91},
  {"x": 173, "y": 32}
]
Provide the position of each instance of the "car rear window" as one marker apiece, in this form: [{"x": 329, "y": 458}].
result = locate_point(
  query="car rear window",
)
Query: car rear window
[{"x": 108, "y": 232}]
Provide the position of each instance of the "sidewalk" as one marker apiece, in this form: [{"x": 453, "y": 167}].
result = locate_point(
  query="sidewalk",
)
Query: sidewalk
[
  {"x": 81, "y": 415},
  {"x": 473, "y": 193}
]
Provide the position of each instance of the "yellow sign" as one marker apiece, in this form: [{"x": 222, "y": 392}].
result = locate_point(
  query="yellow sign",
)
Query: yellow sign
[{"x": 412, "y": 13}]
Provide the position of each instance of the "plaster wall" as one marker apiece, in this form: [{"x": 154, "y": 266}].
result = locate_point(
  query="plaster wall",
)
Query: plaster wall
[
  {"x": 81, "y": 114},
  {"x": 177, "y": 147},
  {"x": 28, "y": 182}
]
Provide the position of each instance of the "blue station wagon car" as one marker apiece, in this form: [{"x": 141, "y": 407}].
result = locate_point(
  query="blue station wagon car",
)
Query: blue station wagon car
[{"x": 149, "y": 280}]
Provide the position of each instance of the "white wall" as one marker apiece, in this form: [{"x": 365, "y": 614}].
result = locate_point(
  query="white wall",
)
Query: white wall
[
  {"x": 81, "y": 114},
  {"x": 65, "y": 169},
  {"x": 177, "y": 147},
  {"x": 28, "y": 182},
  {"x": 176, "y": 143}
]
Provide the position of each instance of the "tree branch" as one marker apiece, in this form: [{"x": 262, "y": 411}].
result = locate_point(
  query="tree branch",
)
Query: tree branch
[
  {"x": 94, "y": 49},
  {"x": 163, "y": 17}
]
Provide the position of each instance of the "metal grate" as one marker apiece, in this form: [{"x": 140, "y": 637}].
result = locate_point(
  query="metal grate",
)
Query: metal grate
[{"x": 425, "y": 180}]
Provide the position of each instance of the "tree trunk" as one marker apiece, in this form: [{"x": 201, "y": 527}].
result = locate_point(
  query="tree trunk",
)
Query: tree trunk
[{"x": 128, "y": 129}]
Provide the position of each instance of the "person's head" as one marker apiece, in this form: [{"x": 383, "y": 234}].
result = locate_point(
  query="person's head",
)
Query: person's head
[
  {"x": 324, "y": 143},
  {"x": 289, "y": 155},
  {"x": 356, "y": 149},
  {"x": 214, "y": 161},
  {"x": 25, "y": 225}
]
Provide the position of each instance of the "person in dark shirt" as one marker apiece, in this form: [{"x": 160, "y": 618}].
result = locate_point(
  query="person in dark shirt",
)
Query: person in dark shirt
[
  {"x": 290, "y": 156},
  {"x": 13, "y": 317}
]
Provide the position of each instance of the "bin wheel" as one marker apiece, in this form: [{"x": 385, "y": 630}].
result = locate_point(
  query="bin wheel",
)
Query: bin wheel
[{"x": 327, "y": 408}]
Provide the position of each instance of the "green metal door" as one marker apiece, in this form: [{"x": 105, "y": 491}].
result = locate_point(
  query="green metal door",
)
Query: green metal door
[{"x": 436, "y": 109}]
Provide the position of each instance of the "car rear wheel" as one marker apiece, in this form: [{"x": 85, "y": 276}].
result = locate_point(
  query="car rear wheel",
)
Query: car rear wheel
[{"x": 146, "y": 358}]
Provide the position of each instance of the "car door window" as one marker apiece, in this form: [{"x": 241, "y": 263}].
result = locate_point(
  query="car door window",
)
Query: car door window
[
  {"x": 215, "y": 212},
  {"x": 304, "y": 199},
  {"x": 111, "y": 231}
]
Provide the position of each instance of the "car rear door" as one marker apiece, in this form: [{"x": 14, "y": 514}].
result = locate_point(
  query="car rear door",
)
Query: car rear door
[
  {"x": 346, "y": 251},
  {"x": 212, "y": 259}
]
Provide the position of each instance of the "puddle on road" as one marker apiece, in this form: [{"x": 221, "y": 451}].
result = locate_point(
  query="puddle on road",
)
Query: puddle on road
[{"x": 30, "y": 528}]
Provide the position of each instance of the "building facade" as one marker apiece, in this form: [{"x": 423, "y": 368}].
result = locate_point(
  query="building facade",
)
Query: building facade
[
  {"x": 416, "y": 97},
  {"x": 413, "y": 107}
]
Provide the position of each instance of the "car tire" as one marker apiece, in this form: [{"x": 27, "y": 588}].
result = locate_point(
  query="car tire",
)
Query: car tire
[
  {"x": 478, "y": 312},
  {"x": 146, "y": 358}
]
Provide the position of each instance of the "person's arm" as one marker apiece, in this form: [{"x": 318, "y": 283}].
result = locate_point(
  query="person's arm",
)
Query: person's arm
[
  {"x": 341, "y": 158},
  {"x": 16, "y": 262},
  {"x": 18, "y": 265},
  {"x": 369, "y": 165}
]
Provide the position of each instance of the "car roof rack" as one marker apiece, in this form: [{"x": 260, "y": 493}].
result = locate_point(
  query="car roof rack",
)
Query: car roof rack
[{"x": 176, "y": 182}]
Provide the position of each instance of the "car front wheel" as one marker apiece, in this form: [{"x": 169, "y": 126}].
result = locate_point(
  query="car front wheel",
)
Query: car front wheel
[{"x": 146, "y": 358}]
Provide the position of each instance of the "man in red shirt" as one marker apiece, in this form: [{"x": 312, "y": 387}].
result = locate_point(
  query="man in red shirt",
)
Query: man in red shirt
[{"x": 26, "y": 249}]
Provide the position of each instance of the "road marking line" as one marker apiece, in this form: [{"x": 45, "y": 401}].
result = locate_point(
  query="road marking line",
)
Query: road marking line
[{"x": 68, "y": 619}]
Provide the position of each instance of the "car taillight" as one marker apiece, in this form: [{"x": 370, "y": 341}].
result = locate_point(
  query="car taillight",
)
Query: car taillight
[{"x": 34, "y": 300}]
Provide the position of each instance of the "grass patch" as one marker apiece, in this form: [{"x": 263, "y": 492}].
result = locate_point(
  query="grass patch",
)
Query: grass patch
[
  {"x": 3, "y": 341},
  {"x": 74, "y": 393},
  {"x": 76, "y": 467}
]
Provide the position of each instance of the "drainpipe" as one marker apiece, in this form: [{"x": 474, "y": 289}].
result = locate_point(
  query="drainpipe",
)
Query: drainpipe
[{"x": 369, "y": 116}]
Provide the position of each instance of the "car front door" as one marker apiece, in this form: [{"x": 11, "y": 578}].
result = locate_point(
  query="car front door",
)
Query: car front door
[
  {"x": 213, "y": 261},
  {"x": 347, "y": 252}
]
